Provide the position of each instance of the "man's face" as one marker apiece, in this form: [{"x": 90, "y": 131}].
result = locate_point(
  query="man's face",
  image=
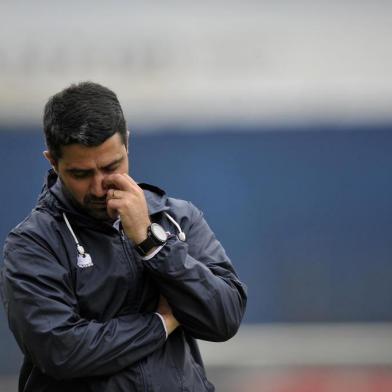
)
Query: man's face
[{"x": 82, "y": 171}]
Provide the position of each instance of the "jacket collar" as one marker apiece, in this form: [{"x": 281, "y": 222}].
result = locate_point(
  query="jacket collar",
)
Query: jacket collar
[{"x": 156, "y": 198}]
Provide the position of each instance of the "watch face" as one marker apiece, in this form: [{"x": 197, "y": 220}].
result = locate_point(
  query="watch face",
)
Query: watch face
[{"x": 158, "y": 232}]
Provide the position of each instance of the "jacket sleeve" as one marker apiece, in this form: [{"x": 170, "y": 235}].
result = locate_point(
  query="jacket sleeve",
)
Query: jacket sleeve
[
  {"x": 43, "y": 315},
  {"x": 199, "y": 282}
]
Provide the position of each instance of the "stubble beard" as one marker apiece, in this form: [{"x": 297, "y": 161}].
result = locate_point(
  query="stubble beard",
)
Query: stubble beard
[{"x": 91, "y": 206}]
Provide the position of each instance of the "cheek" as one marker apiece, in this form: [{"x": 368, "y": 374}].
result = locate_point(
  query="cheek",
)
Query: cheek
[
  {"x": 78, "y": 189},
  {"x": 123, "y": 167}
]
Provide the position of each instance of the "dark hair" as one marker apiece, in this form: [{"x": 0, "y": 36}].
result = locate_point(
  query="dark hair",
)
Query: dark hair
[{"x": 85, "y": 113}]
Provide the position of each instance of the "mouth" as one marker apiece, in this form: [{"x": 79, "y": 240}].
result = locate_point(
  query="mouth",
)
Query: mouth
[{"x": 97, "y": 204}]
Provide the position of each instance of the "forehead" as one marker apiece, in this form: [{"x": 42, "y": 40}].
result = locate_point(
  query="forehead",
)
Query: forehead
[{"x": 83, "y": 157}]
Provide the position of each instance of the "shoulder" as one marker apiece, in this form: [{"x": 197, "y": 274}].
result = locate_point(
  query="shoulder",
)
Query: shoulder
[
  {"x": 183, "y": 208},
  {"x": 38, "y": 227},
  {"x": 159, "y": 202},
  {"x": 185, "y": 213}
]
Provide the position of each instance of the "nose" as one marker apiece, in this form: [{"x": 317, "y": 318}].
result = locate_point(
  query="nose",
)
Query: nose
[{"x": 97, "y": 188}]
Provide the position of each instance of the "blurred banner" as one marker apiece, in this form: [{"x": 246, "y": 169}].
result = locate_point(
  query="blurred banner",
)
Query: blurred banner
[
  {"x": 305, "y": 215},
  {"x": 172, "y": 62}
]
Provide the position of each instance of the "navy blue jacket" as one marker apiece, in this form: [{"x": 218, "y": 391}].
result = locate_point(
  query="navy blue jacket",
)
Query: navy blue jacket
[{"x": 94, "y": 328}]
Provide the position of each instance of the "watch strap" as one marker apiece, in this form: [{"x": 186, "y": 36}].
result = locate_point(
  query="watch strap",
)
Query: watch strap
[
  {"x": 145, "y": 246},
  {"x": 150, "y": 242}
]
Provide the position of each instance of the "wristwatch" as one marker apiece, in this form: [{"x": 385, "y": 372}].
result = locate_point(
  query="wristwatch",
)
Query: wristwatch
[{"x": 156, "y": 236}]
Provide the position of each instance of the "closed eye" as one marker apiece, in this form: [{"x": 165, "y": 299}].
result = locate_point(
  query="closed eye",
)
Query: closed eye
[
  {"x": 110, "y": 169},
  {"x": 79, "y": 174}
]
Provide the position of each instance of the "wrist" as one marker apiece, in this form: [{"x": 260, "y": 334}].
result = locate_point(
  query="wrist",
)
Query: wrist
[
  {"x": 163, "y": 324},
  {"x": 155, "y": 237},
  {"x": 141, "y": 234},
  {"x": 138, "y": 234},
  {"x": 170, "y": 322}
]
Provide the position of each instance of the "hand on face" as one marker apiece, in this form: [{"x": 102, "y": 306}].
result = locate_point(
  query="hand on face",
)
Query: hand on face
[{"x": 125, "y": 198}]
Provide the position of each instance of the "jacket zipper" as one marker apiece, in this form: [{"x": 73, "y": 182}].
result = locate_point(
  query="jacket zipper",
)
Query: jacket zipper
[
  {"x": 144, "y": 384},
  {"x": 127, "y": 255},
  {"x": 132, "y": 267}
]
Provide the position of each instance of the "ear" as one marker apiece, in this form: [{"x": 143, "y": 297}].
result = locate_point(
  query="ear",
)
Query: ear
[
  {"x": 127, "y": 144},
  {"x": 53, "y": 162}
]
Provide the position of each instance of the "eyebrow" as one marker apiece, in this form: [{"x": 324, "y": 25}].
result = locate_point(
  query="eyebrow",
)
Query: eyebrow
[
  {"x": 114, "y": 163},
  {"x": 106, "y": 167}
]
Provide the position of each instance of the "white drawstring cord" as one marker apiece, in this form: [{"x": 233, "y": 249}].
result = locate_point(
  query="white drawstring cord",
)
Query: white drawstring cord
[
  {"x": 79, "y": 247},
  {"x": 181, "y": 234},
  {"x": 82, "y": 252}
]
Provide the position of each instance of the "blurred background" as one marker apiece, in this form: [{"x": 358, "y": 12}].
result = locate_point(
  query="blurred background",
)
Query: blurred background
[{"x": 275, "y": 119}]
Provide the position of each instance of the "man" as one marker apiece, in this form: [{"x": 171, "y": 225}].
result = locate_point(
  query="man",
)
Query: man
[{"x": 108, "y": 283}]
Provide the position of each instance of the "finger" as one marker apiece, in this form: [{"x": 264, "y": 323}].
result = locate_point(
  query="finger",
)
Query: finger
[
  {"x": 113, "y": 213},
  {"x": 112, "y": 208},
  {"x": 126, "y": 175},
  {"x": 164, "y": 307},
  {"x": 117, "y": 181},
  {"x": 115, "y": 206},
  {"x": 115, "y": 194},
  {"x": 133, "y": 182}
]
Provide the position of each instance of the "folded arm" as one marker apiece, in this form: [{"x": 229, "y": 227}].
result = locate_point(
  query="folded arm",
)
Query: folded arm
[{"x": 200, "y": 283}]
